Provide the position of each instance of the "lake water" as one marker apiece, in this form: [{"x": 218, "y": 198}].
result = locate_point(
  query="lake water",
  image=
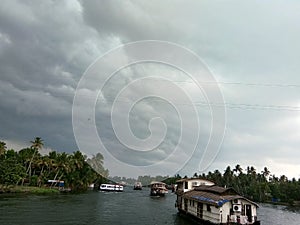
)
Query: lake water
[{"x": 128, "y": 207}]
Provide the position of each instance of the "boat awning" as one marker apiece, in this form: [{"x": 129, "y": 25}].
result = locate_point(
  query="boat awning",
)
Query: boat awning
[{"x": 212, "y": 198}]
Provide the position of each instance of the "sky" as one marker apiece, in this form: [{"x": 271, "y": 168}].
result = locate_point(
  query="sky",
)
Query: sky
[{"x": 158, "y": 87}]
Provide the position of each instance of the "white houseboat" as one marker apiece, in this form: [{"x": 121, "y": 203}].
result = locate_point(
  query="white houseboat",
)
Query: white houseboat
[
  {"x": 111, "y": 187},
  {"x": 212, "y": 204},
  {"x": 158, "y": 188}
]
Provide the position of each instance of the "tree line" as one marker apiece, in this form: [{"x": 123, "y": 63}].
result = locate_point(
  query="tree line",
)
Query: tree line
[
  {"x": 29, "y": 167},
  {"x": 260, "y": 186}
]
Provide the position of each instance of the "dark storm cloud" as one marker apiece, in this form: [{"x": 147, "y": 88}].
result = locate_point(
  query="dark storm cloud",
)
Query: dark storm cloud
[
  {"x": 45, "y": 47},
  {"x": 39, "y": 69}
]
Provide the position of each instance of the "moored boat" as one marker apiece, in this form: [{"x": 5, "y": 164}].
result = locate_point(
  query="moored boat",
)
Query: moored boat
[
  {"x": 214, "y": 205},
  {"x": 111, "y": 187},
  {"x": 158, "y": 188}
]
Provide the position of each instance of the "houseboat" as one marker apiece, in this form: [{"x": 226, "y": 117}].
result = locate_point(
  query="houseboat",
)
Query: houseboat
[
  {"x": 158, "y": 188},
  {"x": 188, "y": 184},
  {"x": 111, "y": 187},
  {"x": 212, "y": 204},
  {"x": 137, "y": 186}
]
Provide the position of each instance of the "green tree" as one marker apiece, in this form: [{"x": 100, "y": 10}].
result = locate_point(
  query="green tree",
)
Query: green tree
[
  {"x": 36, "y": 145},
  {"x": 3, "y": 148},
  {"x": 238, "y": 169},
  {"x": 96, "y": 162},
  {"x": 11, "y": 171}
]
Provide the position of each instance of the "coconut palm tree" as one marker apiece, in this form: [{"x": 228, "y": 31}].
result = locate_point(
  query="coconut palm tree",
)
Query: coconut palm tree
[
  {"x": 81, "y": 173},
  {"x": 43, "y": 164},
  {"x": 265, "y": 173},
  {"x": 238, "y": 169},
  {"x": 37, "y": 144},
  {"x": 63, "y": 167},
  {"x": 228, "y": 176},
  {"x": 96, "y": 162},
  {"x": 2, "y": 148}
]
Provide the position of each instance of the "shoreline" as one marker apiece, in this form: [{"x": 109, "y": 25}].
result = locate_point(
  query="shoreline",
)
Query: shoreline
[{"x": 27, "y": 190}]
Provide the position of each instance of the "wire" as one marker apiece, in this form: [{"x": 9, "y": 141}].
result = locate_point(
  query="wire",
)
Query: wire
[
  {"x": 228, "y": 83},
  {"x": 247, "y": 84},
  {"x": 241, "y": 106}
]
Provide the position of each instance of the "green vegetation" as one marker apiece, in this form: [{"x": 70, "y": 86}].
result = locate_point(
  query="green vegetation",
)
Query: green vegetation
[
  {"x": 29, "y": 171},
  {"x": 27, "y": 189},
  {"x": 258, "y": 186}
]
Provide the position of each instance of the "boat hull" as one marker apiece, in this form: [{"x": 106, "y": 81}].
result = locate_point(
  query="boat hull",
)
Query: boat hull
[
  {"x": 111, "y": 188},
  {"x": 158, "y": 189},
  {"x": 206, "y": 222},
  {"x": 157, "y": 192}
]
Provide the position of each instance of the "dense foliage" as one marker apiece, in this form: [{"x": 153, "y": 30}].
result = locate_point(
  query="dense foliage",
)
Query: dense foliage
[
  {"x": 29, "y": 167},
  {"x": 258, "y": 186}
]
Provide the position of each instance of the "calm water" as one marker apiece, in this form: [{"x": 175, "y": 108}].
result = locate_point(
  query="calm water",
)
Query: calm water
[{"x": 129, "y": 207}]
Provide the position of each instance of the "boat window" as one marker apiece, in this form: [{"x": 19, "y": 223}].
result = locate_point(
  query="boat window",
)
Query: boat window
[
  {"x": 186, "y": 185},
  {"x": 208, "y": 208}
]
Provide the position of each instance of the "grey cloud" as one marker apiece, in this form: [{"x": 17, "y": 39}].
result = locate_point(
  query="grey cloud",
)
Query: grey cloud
[{"x": 46, "y": 46}]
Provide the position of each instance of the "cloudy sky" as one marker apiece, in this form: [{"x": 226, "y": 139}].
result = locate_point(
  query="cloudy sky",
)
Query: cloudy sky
[{"x": 49, "y": 48}]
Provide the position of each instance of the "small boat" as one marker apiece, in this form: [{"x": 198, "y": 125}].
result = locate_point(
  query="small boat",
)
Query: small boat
[
  {"x": 111, "y": 187},
  {"x": 137, "y": 186},
  {"x": 158, "y": 188}
]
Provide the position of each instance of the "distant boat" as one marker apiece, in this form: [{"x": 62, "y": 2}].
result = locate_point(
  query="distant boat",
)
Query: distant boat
[
  {"x": 158, "y": 188},
  {"x": 111, "y": 187},
  {"x": 137, "y": 186},
  {"x": 91, "y": 187}
]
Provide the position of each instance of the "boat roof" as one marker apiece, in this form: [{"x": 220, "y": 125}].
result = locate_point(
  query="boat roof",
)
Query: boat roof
[
  {"x": 113, "y": 184},
  {"x": 157, "y": 182},
  {"x": 216, "y": 189},
  {"x": 214, "y": 198},
  {"x": 193, "y": 178}
]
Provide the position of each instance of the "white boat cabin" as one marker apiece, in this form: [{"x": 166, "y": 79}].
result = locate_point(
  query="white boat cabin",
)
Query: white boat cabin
[
  {"x": 188, "y": 184},
  {"x": 217, "y": 205},
  {"x": 158, "y": 188},
  {"x": 111, "y": 187}
]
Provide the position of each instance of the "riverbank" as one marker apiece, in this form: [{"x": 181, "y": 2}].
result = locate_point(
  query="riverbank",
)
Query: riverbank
[{"x": 27, "y": 190}]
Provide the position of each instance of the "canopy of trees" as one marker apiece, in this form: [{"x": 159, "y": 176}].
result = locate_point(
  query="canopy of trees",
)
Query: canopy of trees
[
  {"x": 259, "y": 186},
  {"x": 29, "y": 167}
]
